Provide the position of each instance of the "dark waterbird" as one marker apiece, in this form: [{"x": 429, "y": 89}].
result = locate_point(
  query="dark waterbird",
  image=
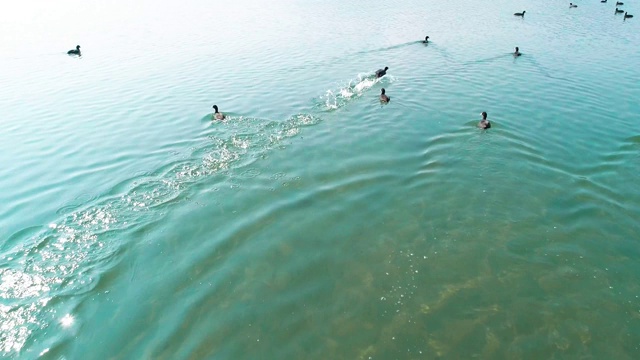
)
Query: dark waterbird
[
  {"x": 382, "y": 72},
  {"x": 383, "y": 97},
  {"x": 618, "y": 11},
  {"x": 571, "y": 5},
  {"x": 484, "y": 123},
  {"x": 603, "y": 1},
  {"x": 626, "y": 16},
  {"x": 426, "y": 40},
  {"x": 217, "y": 115},
  {"x": 517, "y": 52},
  {"x": 75, "y": 51},
  {"x": 619, "y": 3},
  {"x": 520, "y": 14}
]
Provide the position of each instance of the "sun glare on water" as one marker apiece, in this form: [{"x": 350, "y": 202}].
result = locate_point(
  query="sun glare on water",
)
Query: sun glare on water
[{"x": 67, "y": 320}]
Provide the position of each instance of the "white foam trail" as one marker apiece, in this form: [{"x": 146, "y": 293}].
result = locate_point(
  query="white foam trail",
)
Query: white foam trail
[
  {"x": 66, "y": 258},
  {"x": 365, "y": 84},
  {"x": 335, "y": 99}
]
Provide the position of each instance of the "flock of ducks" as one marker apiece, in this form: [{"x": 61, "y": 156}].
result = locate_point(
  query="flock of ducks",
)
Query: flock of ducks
[
  {"x": 384, "y": 98},
  {"x": 572, "y": 5},
  {"x": 618, "y": 11},
  {"x": 485, "y": 123}
]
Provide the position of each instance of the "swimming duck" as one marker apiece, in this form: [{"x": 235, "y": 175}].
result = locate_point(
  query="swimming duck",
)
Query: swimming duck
[
  {"x": 627, "y": 16},
  {"x": 571, "y": 5},
  {"x": 484, "y": 123},
  {"x": 517, "y": 52},
  {"x": 382, "y": 72},
  {"x": 383, "y": 97},
  {"x": 603, "y": 1},
  {"x": 618, "y": 11},
  {"x": 520, "y": 14},
  {"x": 76, "y": 51},
  {"x": 217, "y": 115},
  {"x": 426, "y": 40},
  {"x": 619, "y": 3}
]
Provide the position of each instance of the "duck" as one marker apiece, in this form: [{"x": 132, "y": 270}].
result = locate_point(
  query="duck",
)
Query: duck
[
  {"x": 382, "y": 72},
  {"x": 75, "y": 51},
  {"x": 517, "y": 52},
  {"x": 619, "y": 3},
  {"x": 217, "y": 115},
  {"x": 426, "y": 40},
  {"x": 618, "y": 11},
  {"x": 626, "y": 16},
  {"x": 520, "y": 14},
  {"x": 572, "y": 5},
  {"x": 603, "y": 1},
  {"x": 484, "y": 123},
  {"x": 383, "y": 97}
]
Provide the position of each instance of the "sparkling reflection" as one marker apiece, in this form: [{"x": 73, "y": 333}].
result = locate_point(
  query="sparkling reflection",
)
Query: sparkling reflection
[{"x": 67, "y": 320}]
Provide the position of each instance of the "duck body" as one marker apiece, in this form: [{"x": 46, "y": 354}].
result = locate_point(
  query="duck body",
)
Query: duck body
[
  {"x": 517, "y": 52},
  {"x": 626, "y": 16},
  {"x": 383, "y": 97},
  {"x": 619, "y": 3},
  {"x": 75, "y": 51},
  {"x": 520, "y": 14},
  {"x": 603, "y": 1},
  {"x": 426, "y": 40},
  {"x": 484, "y": 123},
  {"x": 382, "y": 72},
  {"x": 618, "y": 11},
  {"x": 572, "y": 5},
  {"x": 217, "y": 115}
]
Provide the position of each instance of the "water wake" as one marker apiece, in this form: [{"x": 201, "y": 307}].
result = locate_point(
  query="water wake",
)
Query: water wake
[
  {"x": 335, "y": 99},
  {"x": 67, "y": 258}
]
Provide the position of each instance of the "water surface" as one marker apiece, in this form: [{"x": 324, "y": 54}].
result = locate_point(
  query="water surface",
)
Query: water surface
[{"x": 314, "y": 222}]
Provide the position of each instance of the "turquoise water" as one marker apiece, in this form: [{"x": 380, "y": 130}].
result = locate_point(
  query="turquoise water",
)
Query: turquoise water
[{"x": 315, "y": 223}]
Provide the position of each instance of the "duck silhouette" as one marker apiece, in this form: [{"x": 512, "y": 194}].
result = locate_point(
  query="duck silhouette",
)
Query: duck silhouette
[
  {"x": 383, "y": 97},
  {"x": 75, "y": 51},
  {"x": 484, "y": 123},
  {"x": 217, "y": 114},
  {"x": 382, "y": 72},
  {"x": 517, "y": 52}
]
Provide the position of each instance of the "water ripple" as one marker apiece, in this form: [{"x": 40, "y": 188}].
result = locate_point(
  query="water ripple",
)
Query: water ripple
[{"x": 68, "y": 257}]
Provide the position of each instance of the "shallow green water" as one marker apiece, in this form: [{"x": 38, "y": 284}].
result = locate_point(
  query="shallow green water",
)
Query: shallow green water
[{"x": 314, "y": 223}]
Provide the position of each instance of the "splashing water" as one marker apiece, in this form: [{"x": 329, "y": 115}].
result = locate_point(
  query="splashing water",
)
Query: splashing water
[
  {"x": 68, "y": 257},
  {"x": 355, "y": 88}
]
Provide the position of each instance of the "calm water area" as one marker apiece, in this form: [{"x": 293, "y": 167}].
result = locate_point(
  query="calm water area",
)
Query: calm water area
[{"x": 314, "y": 222}]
